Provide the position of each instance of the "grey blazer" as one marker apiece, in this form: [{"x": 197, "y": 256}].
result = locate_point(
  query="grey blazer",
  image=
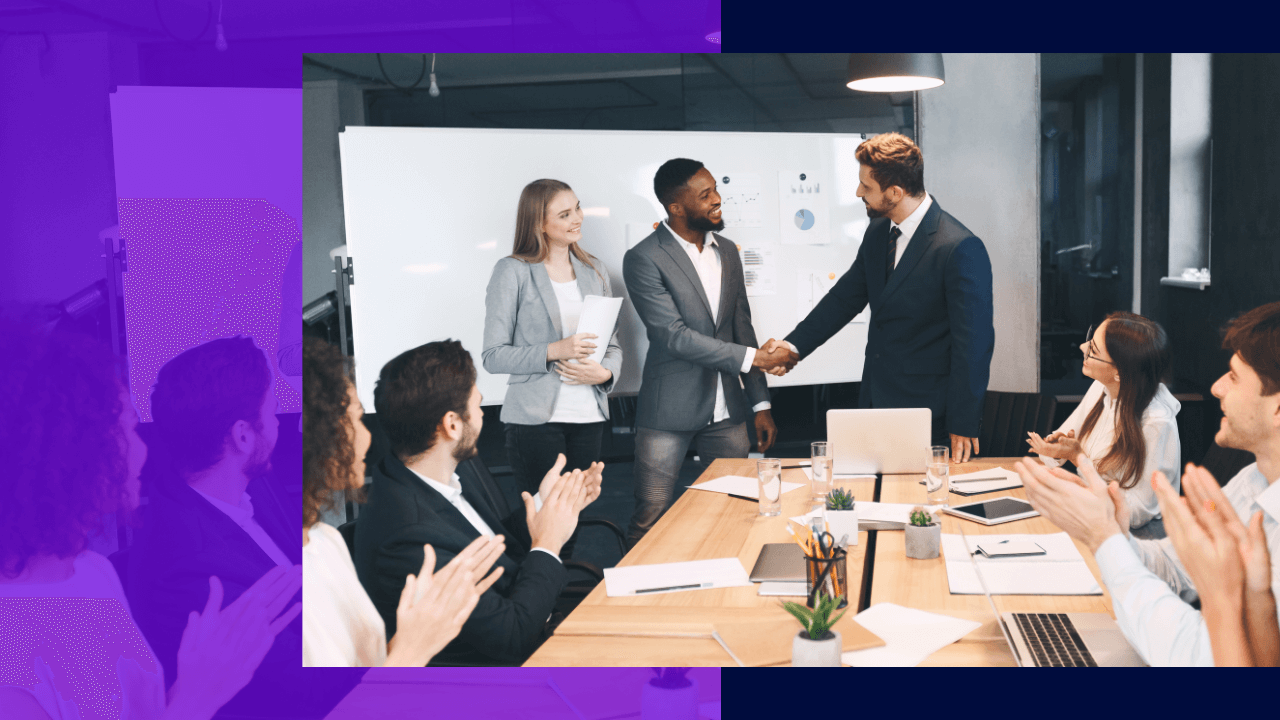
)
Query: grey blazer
[
  {"x": 521, "y": 318},
  {"x": 688, "y": 353}
]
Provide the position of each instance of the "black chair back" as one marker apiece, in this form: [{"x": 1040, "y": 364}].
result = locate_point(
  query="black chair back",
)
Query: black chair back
[
  {"x": 348, "y": 531},
  {"x": 1008, "y": 417}
]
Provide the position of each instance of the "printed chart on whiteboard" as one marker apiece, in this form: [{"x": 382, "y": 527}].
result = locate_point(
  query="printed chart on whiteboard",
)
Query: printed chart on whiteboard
[
  {"x": 802, "y": 208},
  {"x": 740, "y": 199},
  {"x": 760, "y": 270}
]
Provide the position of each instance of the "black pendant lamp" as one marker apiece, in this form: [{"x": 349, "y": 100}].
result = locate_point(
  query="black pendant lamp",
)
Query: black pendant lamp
[{"x": 895, "y": 72}]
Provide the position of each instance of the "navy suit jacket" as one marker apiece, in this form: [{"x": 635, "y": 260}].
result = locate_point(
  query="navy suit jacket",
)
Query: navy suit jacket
[
  {"x": 931, "y": 335},
  {"x": 403, "y": 514}
]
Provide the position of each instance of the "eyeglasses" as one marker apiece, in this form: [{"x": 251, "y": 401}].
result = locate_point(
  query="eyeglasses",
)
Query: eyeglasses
[{"x": 1093, "y": 349}]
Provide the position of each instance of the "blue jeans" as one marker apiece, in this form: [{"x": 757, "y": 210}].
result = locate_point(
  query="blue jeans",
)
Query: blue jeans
[{"x": 659, "y": 455}]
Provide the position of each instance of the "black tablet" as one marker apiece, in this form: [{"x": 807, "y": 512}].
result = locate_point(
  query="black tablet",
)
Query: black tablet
[{"x": 995, "y": 511}]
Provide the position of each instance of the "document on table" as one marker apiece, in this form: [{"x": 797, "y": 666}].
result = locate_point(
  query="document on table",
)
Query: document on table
[
  {"x": 641, "y": 580},
  {"x": 1060, "y": 571},
  {"x": 783, "y": 588},
  {"x": 910, "y": 635},
  {"x": 1004, "y": 479},
  {"x": 740, "y": 485},
  {"x": 874, "y": 512}
]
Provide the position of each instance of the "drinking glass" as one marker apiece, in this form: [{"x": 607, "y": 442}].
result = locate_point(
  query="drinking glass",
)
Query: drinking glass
[
  {"x": 770, "y": 473},
  {"x": 821, "y": 469},
  {"x": 936, "y": 470}
]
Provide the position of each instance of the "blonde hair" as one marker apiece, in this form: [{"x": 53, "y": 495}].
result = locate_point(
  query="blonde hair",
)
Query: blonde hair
[{"x": 531, "y": 244}]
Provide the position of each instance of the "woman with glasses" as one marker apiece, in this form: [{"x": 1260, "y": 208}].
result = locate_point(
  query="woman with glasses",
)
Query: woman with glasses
[{"x": 1127, "y": 422}]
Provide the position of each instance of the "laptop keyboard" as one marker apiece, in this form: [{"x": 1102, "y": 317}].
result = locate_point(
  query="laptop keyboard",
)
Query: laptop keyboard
[{"x": 1053, "y": 640}]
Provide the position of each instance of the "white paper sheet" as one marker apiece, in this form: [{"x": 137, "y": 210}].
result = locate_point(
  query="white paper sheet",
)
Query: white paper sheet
[
  {"x": 599, "y": 316},
  {"x": 740, "y": 485},
  {"x": 759, "y": 270},
  {"x": 1009, "y": 479},
  {"x": 722, "y": 572},
  {"x": 740, "y": 199},
  {"x": 876, "y": 512},
  {"x": 1060, "y": 571},
  {"x": 910, "y": 635},
  {"x": 785, "y": 589},
  {"x": 803, "y": 208}
]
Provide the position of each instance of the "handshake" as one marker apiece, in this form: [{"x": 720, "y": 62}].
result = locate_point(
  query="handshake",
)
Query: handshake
[{"x": 776, "y": 357}]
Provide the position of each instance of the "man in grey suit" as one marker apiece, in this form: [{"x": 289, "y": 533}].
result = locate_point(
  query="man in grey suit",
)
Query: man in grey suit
[{"x": 703, "y": 365}]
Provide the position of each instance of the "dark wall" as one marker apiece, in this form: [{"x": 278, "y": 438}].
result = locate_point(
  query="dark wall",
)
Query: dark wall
[{"x": 1245, "y": 224}]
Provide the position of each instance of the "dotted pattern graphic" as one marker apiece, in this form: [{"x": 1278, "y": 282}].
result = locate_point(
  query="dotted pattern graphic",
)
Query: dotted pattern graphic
[
  {"x": 81, "y": 640},
  {"x": 202, "y": 269}
]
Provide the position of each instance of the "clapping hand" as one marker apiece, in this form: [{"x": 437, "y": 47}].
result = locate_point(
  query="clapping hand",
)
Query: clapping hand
[
  {"x": 222, "y": 647},
  {"x": 775, "y": 358},
  {"x": 1081, "y": 506},
  {"x": 1060, "y": 446},
  {"x": 433, "y": 607}
]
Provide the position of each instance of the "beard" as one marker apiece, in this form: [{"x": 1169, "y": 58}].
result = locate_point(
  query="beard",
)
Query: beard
[
  {"x": 878, "y": 212},
  {"x": 466, "y": 448},
  {"x": 260, "y": 463},
  {"x": 703, "y": 224}
]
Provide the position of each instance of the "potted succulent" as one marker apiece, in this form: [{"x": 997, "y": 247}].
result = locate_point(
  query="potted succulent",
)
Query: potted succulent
[
  {"x": 842, "y": 518},
  {"x": 669, "y": 695},
  {"x": 923, "y": 535},
  {"x": 817, "y": 645}
]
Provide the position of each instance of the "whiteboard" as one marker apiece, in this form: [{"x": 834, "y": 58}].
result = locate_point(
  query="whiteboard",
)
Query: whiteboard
[{"x": 429, "y": 211}]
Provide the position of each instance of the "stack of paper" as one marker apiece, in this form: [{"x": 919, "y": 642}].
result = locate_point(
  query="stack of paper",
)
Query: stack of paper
[
  {"x": 910, "y": 635},
  {"x": 674, "y": 577},
  {"x": 740, "y": 485},
  {"x": 1060, "y": 571}
]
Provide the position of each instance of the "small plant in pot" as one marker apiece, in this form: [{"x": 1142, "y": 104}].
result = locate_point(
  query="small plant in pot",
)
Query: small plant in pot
[
  {"x": 817, "y": 645},
  {"x": 842, "y": 518},
  {"x": 923, "y": 535},
  {"x": 670, "y": 694}
]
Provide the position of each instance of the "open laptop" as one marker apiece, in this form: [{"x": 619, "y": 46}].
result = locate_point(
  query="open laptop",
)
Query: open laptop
[
  {"x": 888, "y": 441},
  {"x": 1061, "y": 639}
]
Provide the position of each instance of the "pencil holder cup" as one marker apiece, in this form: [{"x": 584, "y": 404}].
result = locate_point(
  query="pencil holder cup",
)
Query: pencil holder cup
[
  {"x": 827, "y": 576},
  {"x": 923, "y": 541}
]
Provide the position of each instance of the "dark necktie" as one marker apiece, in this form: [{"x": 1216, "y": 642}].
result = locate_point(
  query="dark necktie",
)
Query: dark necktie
[{"x": 894, "y": 234}]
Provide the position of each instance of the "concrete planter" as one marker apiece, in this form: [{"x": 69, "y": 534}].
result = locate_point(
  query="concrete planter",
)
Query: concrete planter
[
  {"x": 841, "y": 522},
  {"x": 923, "y": 543},
  {"x": 660, "y": 703},
  {"x": 815, "y": 653}
]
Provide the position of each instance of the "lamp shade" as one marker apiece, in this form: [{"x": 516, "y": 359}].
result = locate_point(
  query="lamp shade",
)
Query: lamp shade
[{"x": 895, "y": 72}]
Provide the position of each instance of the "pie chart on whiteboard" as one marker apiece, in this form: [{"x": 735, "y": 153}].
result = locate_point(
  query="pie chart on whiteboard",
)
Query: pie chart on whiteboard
[{"x": 804, "y": 219}]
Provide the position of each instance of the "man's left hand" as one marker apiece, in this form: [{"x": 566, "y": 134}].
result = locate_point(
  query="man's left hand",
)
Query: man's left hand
[
  {"x": 766, "y": 431},
  {"x": 1081, "y": 506},
  {"x": 963, "y": 448}
]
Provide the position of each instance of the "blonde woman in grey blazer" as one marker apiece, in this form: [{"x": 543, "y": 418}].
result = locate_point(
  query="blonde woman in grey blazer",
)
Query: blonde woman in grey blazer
[{"x": 552, "y": 405}]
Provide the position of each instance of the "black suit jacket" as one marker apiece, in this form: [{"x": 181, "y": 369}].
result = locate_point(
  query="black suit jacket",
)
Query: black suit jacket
[
  {"x": 931, "y": 335},
  {"x": 403, "y": 514},
  {"x": 185, "y": 539}
]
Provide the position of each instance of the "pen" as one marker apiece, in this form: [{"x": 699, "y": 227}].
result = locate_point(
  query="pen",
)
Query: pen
[
  {"x": 694, "y": 586},
  {"x": 980, "y": 479},
  {"x": 795, "y": 467}
]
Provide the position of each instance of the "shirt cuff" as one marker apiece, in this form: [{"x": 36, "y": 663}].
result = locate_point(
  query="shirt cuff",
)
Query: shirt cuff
[
  {"x": 748, "y": 360},
  {"x": 766, "y": 405},
  {"x": 793, "y": 347},
  {"x": 557, "y": 557},
  {"x": 1050, "y": 462}
]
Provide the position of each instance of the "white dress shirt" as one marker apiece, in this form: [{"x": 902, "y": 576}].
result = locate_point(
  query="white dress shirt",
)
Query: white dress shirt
[
  {"x": 909, "y": 225},
  {"x": 453, "y": 493},
  {"x": 1145, "y": 579},
  {"x": 242, "y": 515},
  {"x": 707, "y": 264},
  {"x": 1159, "y": 431},
  {"x": 341, "y": 627}
]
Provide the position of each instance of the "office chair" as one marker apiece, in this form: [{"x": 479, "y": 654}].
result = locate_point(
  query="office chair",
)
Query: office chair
[{"x": 1008, "y": 417}]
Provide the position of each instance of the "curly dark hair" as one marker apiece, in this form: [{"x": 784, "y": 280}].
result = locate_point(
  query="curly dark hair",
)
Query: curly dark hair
[
  {"x": 60, "y": 411},
  {"x": 328, "y": 440}
]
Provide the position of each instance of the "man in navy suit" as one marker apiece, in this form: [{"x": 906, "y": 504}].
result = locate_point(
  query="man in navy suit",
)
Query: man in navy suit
[{"x": 928, "y": 280}]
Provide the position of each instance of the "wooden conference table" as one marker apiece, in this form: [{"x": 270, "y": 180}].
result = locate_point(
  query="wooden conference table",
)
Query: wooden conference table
[{"x": 673, "y": 629}]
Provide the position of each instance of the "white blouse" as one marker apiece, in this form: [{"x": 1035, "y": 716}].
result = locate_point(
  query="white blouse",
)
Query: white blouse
[
  {"x": 73, "y": 645},
  {"x": 1159, "y": 430},
  {"x": 340, "y": 625},
  {"x": 575, "y": 403}
]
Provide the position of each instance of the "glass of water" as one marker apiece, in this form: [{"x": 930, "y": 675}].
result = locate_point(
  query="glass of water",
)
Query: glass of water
[
  {"x": 769, "y": 471},
  {"x": 937, "y": 467},
  {"x": 821, "y": 469}
]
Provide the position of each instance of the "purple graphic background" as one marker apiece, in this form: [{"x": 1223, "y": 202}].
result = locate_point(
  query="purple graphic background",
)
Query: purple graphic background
[{"x": 181, "y": 178}]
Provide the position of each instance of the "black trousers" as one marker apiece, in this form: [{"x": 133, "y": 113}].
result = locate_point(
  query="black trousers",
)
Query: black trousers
[{"x": 532, "y": 450}]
